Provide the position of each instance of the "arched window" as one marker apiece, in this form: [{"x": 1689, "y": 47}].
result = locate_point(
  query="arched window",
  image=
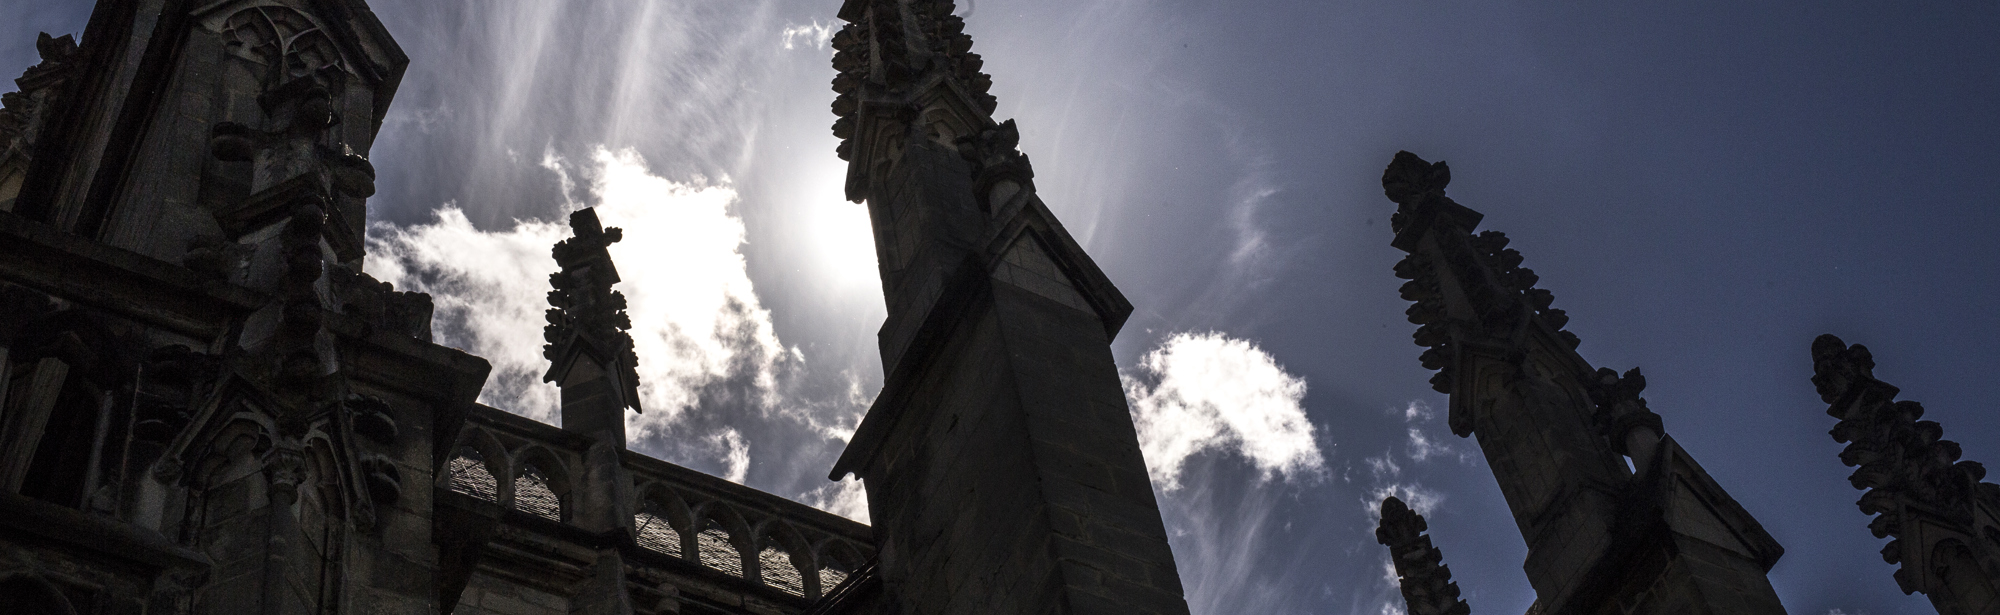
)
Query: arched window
[
  {"x": 717, "y": 551},
  {"x": 779, "y": 571},
  {"x": 470, "y": 476},
  {"x": 829, "y": 578},
  {"x": 837, "y": 561},
  {"x": 654, "y": 531},
  {"x": 58, "y": 472},
  {"x": 57, "y": 406},
  {"x": 532, "y": 494}
]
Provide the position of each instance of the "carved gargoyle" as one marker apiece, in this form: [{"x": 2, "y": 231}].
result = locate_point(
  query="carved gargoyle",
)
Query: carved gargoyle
[
  {"x": 372, "y": 418},
  {"x": 384, "y": 481}
]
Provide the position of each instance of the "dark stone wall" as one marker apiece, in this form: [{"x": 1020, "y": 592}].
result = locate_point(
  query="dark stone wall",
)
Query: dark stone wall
[{"x": 1015, "y": 484}]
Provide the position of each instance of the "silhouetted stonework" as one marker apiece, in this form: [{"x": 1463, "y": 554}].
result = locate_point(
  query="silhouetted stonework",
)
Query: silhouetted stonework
[
  {"x": 1942, "y": 523},
  {"x": 1658, "y": 537},
  {"x": 1662, "y": 537},
  {"x": 1002, "y": 466},
  {"x": 207, "y": 407},
  {"x": 1426, "y": 581}
]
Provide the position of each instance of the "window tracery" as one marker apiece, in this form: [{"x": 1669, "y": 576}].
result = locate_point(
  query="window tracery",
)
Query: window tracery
[{"x": 281, "y": 36}]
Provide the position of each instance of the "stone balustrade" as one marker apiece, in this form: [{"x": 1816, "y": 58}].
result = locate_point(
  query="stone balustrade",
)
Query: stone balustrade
[{"x": 689, "y": 532}]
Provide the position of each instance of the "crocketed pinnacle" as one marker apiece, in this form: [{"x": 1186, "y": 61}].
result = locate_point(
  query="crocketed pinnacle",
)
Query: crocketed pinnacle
[
  {"x": 1426, "y": 581},
  {"x": 585, "y": 314}
]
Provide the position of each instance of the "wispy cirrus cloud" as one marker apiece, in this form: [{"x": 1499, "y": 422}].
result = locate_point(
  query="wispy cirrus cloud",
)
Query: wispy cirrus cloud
[
  {"x": 814, "y": 35},
  {"x": 1389, "y": 477},
  {"x": 1206, "y": 405},
  {"x": 1397, "y": 473}
]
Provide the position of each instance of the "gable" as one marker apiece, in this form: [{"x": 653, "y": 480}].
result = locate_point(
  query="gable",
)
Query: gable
[
  {"x": 1032, "y": 247},
  {"x": 1027, "y": 265}
]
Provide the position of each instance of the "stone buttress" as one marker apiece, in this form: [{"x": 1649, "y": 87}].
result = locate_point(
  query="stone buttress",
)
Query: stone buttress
[
  {"x": 1658, "y": 537},
  {"x": 1002, "y": 467}
]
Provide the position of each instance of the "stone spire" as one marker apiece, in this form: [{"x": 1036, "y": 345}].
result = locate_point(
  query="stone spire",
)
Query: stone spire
[
  {"x": 1557, "y": 431},
  {"x": 899, "y": 47},
  {"x": 1001, "y": 433},
  {"x": 1427, "y": 585},
  {"x": 589, "y": 352},
  {"x": 942, "y": 178},
  {"x": 1942, "y": 523}
]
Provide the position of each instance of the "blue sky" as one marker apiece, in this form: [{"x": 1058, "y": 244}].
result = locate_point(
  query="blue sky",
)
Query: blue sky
[{"x": 1705, "y": 186}]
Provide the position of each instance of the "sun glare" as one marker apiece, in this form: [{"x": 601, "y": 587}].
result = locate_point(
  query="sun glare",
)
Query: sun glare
[{"x": 843, "y": 242}]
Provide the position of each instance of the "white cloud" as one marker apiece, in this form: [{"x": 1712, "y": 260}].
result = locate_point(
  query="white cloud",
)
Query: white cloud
[
  {"x": 488, "y": 288},
  {"x": 1383, "y": 467},
  {"x": 814, "y": 35},
  {"x": 846, "y": 498},
  {"x": 1387, "y": 475},
  {"x": 1420, "y": 444},
  {"x": 1417, "y": 411},
  {"x": 833, "y": 418},
  {"x": 736, "y": 455},
  {"x": 1419, "y": 498},
  {"x": 714, "y": 378},
  {"x": 696, "y": 318},
  {"x": 1206, "y": 391}
]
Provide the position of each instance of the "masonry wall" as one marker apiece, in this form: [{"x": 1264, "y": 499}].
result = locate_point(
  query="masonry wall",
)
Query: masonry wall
[
  {"x": 393, "y": 567},
  {"x": 486, "y": 595},
  {"x": 1018, "y": 486}
]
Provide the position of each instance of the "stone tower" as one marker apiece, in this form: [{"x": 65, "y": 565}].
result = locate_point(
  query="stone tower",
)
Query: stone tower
[
  {"x": 208, "y": 407},
  {"x": 1942, "y": 522},
  {"x": 1659, "y": 536},
  {"x": 1002, "y": 467}
]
